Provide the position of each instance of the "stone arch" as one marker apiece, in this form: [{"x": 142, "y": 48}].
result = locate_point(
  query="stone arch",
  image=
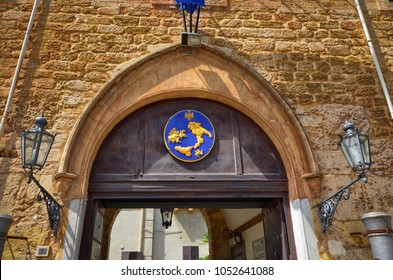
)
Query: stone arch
[
  {"x": 178, "y": 72},
  {"x": 110, "y": 217},
  {"x": 219, "y": 247}
]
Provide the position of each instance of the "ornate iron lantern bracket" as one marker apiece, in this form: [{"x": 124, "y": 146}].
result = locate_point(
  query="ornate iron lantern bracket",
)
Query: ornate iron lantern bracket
[
  {"x": 52, "y": 206},
  {"x": 356, "y": 149},
  {"x": 327, "y": 207}
]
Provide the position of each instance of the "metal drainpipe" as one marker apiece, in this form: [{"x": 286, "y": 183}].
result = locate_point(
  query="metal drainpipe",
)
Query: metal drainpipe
[
  {"x": 17, "y": 70},
  {"x": 374, "y": 55},
  {"x": 380, "y": 234}
]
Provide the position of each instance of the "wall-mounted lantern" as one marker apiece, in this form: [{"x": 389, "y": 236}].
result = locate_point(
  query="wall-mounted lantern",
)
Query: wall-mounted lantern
[
  {"x": 35, "y": 146},
  {"x": 190, "y": 36},
  {"x": 166, "y": 216},
  {"x": 356, "y": 149}
]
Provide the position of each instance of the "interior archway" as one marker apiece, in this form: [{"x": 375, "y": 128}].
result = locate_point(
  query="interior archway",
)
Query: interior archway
[{"x": 217, "y": 230}]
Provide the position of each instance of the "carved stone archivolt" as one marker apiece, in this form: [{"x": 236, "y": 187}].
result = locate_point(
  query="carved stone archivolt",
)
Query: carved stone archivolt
[{"x": 207, "y": 74}]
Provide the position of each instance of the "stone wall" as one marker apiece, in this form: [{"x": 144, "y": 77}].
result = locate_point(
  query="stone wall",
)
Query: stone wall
[{"x": 313, "y": 52}]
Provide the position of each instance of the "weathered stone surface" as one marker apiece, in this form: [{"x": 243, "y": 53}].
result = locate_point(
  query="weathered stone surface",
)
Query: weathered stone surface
[{"x": 336, "y": 248}]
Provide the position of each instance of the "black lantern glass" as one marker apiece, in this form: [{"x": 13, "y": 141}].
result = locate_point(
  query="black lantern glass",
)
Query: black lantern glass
[
  {"x": 166, "y": 216},
  {"x": 36, "y": 144},
  {"x": 356, "y": 148}
]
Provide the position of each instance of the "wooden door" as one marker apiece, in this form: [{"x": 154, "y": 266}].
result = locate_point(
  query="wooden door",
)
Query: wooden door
[
  {"x": 276, "y": 236},
  {"x": 96, "y": 247}
]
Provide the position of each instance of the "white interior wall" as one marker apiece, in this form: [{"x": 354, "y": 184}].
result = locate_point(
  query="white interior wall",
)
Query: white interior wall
[
  {"x": 188, "y": 229},
  {"x": 125, "y": 233},
  {"x": 236, "y": 218}
]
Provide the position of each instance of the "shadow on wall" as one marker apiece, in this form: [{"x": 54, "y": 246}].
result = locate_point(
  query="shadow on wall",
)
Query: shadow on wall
[
  {"x": 24, "y": 105},
  {"x": 193, "y": 223}
]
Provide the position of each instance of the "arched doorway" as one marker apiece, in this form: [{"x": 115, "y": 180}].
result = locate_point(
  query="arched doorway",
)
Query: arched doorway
[
  {"x": 179, "y": 72},
  {"x": 134, "y": 169}
]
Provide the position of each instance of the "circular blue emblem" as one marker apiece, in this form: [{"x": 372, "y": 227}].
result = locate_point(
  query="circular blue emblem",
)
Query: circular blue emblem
[{"x": 189, "y": 135}]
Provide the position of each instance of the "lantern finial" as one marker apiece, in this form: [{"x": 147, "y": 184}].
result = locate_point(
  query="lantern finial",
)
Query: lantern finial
[
  {"x": 41, "y": 121},
  {"x": 348, "y": 125}
]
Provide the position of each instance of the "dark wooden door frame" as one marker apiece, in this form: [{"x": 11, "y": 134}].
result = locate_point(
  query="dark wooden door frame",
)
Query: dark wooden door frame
[
  {"x": 276, "y": 233},
  {"x": 187, "y": 198}
]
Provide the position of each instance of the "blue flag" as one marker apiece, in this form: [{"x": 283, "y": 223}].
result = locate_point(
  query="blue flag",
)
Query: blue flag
[{"x": 190, "y": 5}]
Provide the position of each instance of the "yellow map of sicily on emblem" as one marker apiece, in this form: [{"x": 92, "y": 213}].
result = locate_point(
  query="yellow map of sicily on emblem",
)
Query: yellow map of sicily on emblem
[{"x": 189, "y": 135}]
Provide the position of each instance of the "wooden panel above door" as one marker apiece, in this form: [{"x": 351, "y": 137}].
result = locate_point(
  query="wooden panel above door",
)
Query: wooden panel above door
[{"x": 135, "y": 148}]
